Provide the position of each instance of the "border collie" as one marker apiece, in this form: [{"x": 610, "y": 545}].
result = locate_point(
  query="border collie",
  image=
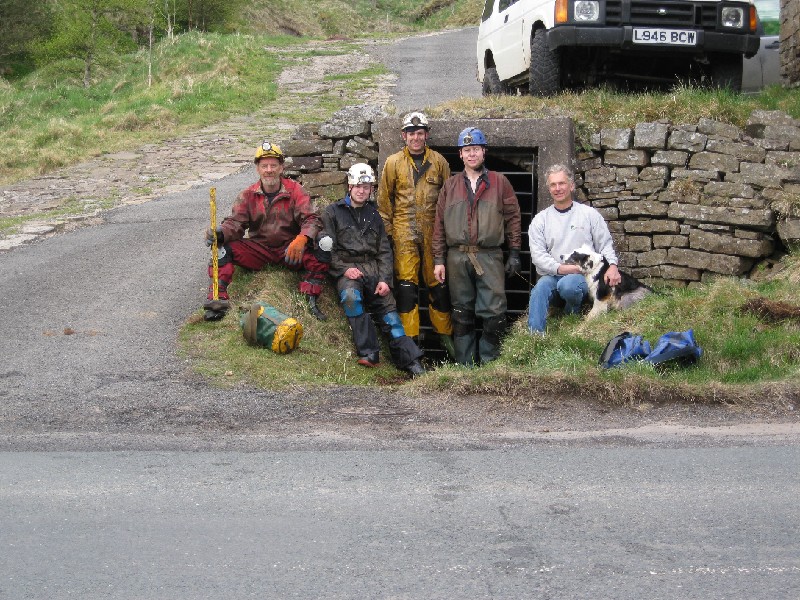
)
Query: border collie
[{"x": 594, "y": 266}]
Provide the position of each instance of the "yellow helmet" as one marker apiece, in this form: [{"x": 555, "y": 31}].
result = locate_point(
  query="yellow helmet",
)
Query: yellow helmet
[{"x": 268, "y": 150}]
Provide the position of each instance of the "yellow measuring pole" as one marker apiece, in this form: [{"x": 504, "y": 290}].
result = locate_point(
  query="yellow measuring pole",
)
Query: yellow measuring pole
[{"x": 214, "y": 258}]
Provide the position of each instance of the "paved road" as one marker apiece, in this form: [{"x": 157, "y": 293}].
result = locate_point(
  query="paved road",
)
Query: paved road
[
  {"x": 432, "y": 69},
  {"x": 275, "y": 495},
  {"x": 616, "y": 523}
]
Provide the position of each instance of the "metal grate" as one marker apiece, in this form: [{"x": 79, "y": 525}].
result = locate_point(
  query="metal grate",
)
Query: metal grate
[{"x": 518, "y": 164}]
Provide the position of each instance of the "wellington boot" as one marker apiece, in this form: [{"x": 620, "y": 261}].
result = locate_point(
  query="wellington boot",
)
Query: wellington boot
[
  {"x": 221, "y": 305},
  {"x": 446, "y": 342},
  {"x": 371, "y": 360},
  {"x": 415, "y": 369},
  {"x": 214, "y": 315}
]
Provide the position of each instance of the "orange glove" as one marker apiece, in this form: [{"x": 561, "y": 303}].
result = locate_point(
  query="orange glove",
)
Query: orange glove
[{"x": 294, "y": 252}]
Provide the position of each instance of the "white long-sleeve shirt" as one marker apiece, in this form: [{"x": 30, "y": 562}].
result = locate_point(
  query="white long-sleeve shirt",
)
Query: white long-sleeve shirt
[{"x": 554, "y": 235}]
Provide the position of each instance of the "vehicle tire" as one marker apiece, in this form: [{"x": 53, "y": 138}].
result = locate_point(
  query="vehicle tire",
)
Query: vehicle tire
[
  {"x": 492, "y": 86},
  {"x": 545, "y": 71},
  {"x": 726, "y": 72}
]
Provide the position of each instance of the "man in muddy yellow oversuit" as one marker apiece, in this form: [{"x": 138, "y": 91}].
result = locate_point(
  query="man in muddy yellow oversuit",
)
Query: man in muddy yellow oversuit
[{"x": 407, "y": 195}]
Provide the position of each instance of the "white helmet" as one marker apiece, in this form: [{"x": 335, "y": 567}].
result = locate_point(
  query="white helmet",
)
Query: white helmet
[
  {"x": 360, "y": 173},
  {"x": 415, "y": 120}
]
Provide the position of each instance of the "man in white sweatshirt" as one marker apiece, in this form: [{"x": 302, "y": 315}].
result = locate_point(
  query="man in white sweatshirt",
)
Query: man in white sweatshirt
[{"x": 554, "y": 233}]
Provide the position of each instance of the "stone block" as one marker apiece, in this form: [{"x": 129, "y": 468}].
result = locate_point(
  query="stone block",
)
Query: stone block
[
  {"x": 670, "y": 158},
  {"x": 712, "y": 161},
  {"x": 600, "y": 175},
  {"x": 627, "y": 175},
  {"x": 771, "y": 144},
  {"x": 760, "y": 175},
  {"x": 728, "y": 244},
  {"x": 604, "y": 202},
  {"x": 651, "y": 226},
  {"x": 719, "y": 129},
  {"x": 751, "y": 203},
  {"x": 740, "y": 150},
  {"x": 681, "y": 190},
  {"x": 789, "y": 230},
  {"x": 627, "y": 158},
  {"x": 782, "y": 133},
  {"x": 728, "y": 189},
  {"x": 324, "y": 179},
  {"x": 650, "y": 135},
  {"x": 653, "y": 173},
  {"x": 615, "y": 139},
  {"x": 670, "y": 241},
  {"x": 652, "y": 258},
  {"x": 627, "y": 260},
  {"x": 695, "y": 175},
  {"x": 308, "y": 147},
  {"x": 362, "y": 150},
  {"x": 723, "y": 264},
  {"x": 783, "y": 159},
  {"x": 303, "y": 163},
  {"x": 609, "y": 214},
  {"x": 771, "y": 117},
  {"x": 676, "y": 272},
  {"x": 639, "y": 243},
  {"x": 587, "y": 164},
  {"x": 642, "y": 208},
  {"x": 762, "y": 220},
  {"x": 646, "y": 188},
  {"x": 746, "y": 234},
  {"x": 687, "y": 140}
]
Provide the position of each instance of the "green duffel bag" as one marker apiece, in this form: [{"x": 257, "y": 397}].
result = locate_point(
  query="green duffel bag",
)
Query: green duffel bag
[{"x": 267, "y": 327}]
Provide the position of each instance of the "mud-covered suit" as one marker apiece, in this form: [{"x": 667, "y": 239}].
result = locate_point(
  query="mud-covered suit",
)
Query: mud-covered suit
[
  {"x": 469, "y": 231},
  {"x": 359, "y": 240},
  {"x": 270, "y": 226},
  {"x": 407, "y": 204}
]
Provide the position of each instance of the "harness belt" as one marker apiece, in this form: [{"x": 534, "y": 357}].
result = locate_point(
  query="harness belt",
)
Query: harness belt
[{"x": 471, "y": 252}]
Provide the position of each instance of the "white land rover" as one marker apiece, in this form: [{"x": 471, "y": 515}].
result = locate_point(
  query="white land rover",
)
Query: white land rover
[{"x": 545, "y": 46}]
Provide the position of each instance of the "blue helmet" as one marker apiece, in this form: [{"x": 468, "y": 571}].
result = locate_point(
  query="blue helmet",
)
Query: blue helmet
[{"x": 471, "y": 136}]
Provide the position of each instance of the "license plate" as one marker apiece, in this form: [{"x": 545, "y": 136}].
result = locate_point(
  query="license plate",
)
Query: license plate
[{"x": 673, "y": 37}]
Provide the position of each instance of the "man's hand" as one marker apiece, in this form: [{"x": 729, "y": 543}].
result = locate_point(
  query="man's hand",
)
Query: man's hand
[
  {"x": 439, "y": 273},
  {"x": 568, "y": 270},
  {"x": 294, "y": 252},
  {"x": 353, "y": 273},
  {"x": 382, "y": 288},
  {"x": 612, "y": 275},
  {"x": 210, "y": 236},
  {"x": 513, "y": 264}
]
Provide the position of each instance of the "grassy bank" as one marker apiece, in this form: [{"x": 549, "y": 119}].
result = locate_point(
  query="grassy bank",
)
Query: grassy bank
[{"x": 746, "y": 356}]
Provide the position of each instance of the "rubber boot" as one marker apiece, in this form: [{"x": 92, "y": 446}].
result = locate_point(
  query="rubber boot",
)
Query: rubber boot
[
  {"x": 312, "y": 305},
  {"x": 215, "y": 309},
  {"x": 415, "y": 369},
  {"x": 446, "y": 342}
]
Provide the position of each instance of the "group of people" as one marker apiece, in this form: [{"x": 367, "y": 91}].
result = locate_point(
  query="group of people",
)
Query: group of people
[{"x": 448, "y": 229}]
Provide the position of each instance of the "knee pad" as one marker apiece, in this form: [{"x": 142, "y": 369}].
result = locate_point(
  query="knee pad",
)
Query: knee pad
[
  {"x": 440, "y": 297},
  {"x": 406, "y": 296},
  {"x": 463, "y": 321},
  {"x": 352, "y": 302},
  {"x": 494, "y": 325},
  {"x": 392, "y": 320},
  {"x": 224, "y": 255}
]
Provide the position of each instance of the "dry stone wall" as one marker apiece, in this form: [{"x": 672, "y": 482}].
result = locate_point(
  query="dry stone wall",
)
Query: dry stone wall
[
  {"x": 790, "y": 41},
  {"x": 683, "y": 202}
]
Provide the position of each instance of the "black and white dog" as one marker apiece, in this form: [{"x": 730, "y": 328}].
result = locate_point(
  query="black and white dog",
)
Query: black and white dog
[{"x": 594, "y": 265}]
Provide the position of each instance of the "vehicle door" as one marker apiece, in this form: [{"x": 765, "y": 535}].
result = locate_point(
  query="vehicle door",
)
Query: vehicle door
[
  {"x": 508, "y": 41},
  {"x": 764, "y": 68}
]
